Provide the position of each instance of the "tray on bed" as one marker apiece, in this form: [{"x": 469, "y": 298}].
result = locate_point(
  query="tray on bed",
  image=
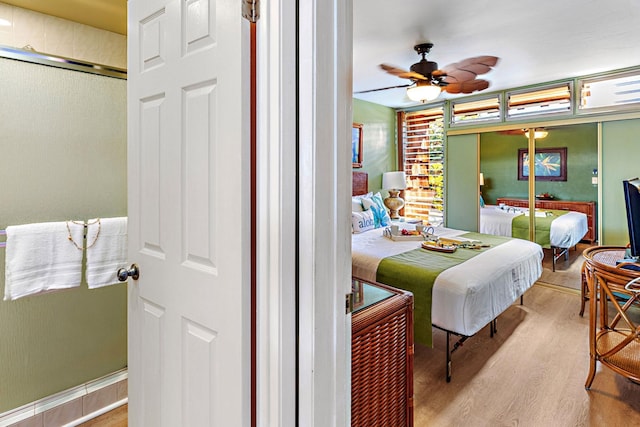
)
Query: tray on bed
[
  {"x": 433, "y": 246},
  {"x": 405, "y": 238}
]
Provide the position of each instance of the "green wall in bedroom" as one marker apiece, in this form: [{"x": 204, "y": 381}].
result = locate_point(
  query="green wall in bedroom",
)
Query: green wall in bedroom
[
  {"x": 379, "y": 140},
  {"x": 620, "y": 154},
  {"x": 499, "y": 161}
]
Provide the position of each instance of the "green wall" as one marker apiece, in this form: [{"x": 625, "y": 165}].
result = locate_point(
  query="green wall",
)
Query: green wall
[
  {"x": 499, "y": 163},
  {"x": 63, "y": 143},
  {"x": 379, "y": 145},
  {"x": 620, "y": 160}
]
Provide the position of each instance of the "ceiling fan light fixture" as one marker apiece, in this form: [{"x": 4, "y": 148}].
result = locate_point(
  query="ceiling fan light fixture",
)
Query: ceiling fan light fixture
[
  {"x": 423, "y": 92},
  {"x": 537, "y": 133}
]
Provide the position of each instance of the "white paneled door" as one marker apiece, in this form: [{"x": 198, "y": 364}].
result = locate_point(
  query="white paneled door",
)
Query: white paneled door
[{"x": 189, "y": 213}]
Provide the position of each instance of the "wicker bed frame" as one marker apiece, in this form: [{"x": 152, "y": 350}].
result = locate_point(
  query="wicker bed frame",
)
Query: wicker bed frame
[{"x": 360, "y": 186}]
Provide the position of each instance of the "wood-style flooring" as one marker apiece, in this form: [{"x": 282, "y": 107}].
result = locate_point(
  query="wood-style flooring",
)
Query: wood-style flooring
[
  {"x": 567, "y": 272},
  {"x": 531, "y": 373}
]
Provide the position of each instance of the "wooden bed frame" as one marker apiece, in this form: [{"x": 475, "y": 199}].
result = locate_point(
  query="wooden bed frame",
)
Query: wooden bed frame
[{"x": 360, "y": 183}]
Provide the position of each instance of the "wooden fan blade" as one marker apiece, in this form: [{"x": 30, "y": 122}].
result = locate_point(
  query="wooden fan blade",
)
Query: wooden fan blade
[
  {"x": 459, "y": 76},
  {"x": 489, "y": 61},
  {"x": 511, "y": 132},
  {"x": 466, "y": 87},
  {"x": 383, "y": 88},
  {"x": 402, "y": 73},
  {"x": 467, "y": 69}
]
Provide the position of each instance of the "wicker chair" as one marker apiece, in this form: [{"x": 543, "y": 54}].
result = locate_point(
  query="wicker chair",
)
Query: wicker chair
[
  {"x": 584, "y": 287},
  {"x": 614, "y": 339}
]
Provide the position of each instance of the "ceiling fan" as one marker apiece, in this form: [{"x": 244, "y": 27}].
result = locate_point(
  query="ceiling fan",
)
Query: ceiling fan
[{"x": 429, "y": 81}]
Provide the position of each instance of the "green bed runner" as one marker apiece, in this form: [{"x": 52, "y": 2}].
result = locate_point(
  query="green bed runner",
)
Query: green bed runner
[
  {"x": 520, "y": 227},
  {"x": 416, "y": 271}
]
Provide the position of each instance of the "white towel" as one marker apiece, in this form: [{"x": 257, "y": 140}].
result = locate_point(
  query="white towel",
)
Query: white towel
[
  {"x": 106, "y": 250},
  {"x": 41, "y": 257}
]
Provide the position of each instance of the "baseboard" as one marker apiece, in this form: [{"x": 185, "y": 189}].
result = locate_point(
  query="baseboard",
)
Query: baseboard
[
  {"x": 82, "y": 402},
  {"x": 97, "y": 413}
]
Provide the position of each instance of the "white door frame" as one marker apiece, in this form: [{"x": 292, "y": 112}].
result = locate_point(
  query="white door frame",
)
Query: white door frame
[
  {"x": 276, "y": 214},
  {"x": 324, "y": 174}
]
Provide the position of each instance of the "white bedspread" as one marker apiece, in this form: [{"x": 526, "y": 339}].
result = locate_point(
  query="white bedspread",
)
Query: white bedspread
[
  {"x": 566, "y": 230},
  {"x": 468, "y": 296}
]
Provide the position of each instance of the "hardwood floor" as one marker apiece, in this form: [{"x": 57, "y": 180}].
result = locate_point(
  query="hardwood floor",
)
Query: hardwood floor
[
  {"x": 531, "y": 373},
  {"x": 567, "y": 272}
]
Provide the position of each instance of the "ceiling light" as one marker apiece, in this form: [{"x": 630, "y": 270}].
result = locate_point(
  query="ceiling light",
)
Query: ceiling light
[
  {"x": 423, "y": 91},
  {"x": 537, "y": 133}
]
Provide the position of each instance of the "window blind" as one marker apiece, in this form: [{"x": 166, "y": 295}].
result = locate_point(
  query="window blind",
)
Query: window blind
[
  {"x": 422, "y": 134},
  {"x": 549, "y": 100}
]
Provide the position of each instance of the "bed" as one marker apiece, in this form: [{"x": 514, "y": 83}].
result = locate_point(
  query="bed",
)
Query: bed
[
  {"x": 555, "y": 229},
  {"x": 463, "y": 298}
]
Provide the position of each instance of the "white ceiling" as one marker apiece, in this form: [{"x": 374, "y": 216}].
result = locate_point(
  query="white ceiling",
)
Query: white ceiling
[{"x": 537, "y": 40}]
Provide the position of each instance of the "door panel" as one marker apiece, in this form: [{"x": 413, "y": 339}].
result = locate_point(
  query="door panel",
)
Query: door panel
[
  {"x": 462, "y": 182},
  {"x": 189, "y": 205}
]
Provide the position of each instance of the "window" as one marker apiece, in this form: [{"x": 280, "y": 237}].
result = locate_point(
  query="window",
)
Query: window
[
  {"x": 610, "y": 93},
  {"x": 549, "y": 100},
  {"x": 423, "y": 162},
  {"x": 475, "y": 111}
]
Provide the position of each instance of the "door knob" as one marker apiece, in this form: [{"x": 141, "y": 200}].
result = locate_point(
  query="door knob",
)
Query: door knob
[{"x": 133, "y": 272}]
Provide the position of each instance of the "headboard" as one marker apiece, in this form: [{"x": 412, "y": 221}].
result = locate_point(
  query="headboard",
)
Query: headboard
[{"x": 360, "y": 183}]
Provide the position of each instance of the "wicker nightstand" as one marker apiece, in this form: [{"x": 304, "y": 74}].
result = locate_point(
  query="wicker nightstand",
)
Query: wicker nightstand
[{"x": 381, "y": 356}]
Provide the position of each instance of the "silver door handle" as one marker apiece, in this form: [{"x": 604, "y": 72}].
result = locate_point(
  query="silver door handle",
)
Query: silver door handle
[{"x": 133, "y": 272}]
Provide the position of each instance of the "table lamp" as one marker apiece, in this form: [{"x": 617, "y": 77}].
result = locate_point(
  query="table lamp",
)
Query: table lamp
[{"x": 394, "y": 182}]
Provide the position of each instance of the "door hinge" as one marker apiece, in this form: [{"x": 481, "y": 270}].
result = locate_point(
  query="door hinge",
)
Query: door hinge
[
  {"x": 251, "y": 10},
  {"x": 350, "y": 300}
]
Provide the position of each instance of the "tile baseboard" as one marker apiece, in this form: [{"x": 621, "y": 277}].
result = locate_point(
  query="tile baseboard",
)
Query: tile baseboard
[{"x": 89, "y": 400}]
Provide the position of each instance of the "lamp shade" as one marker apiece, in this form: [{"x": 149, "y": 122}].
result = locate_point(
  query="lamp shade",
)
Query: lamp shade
[
  {"x": 423, "y": 92},
  {"x": 394, "y": 180},
  {"x": 481, "y": 178}
]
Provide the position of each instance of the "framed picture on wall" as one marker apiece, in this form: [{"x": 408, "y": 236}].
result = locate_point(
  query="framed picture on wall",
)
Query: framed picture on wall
[
  {"x": 356, "y": 145},
  {"x": 550, "y": 164}
]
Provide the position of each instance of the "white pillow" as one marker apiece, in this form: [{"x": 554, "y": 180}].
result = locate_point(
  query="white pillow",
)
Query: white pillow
[
  {"x": 362, "y": 221},
  {"x": 356, "y": 202}
]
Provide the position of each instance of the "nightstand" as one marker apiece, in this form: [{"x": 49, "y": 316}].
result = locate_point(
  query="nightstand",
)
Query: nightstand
[{"x": 381, "y": 355}]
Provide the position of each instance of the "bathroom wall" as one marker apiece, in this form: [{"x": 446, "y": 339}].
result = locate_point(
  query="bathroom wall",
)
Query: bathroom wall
[
  {"x": 55, "y": 36},
  {"x": 63, "y": 149}
]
